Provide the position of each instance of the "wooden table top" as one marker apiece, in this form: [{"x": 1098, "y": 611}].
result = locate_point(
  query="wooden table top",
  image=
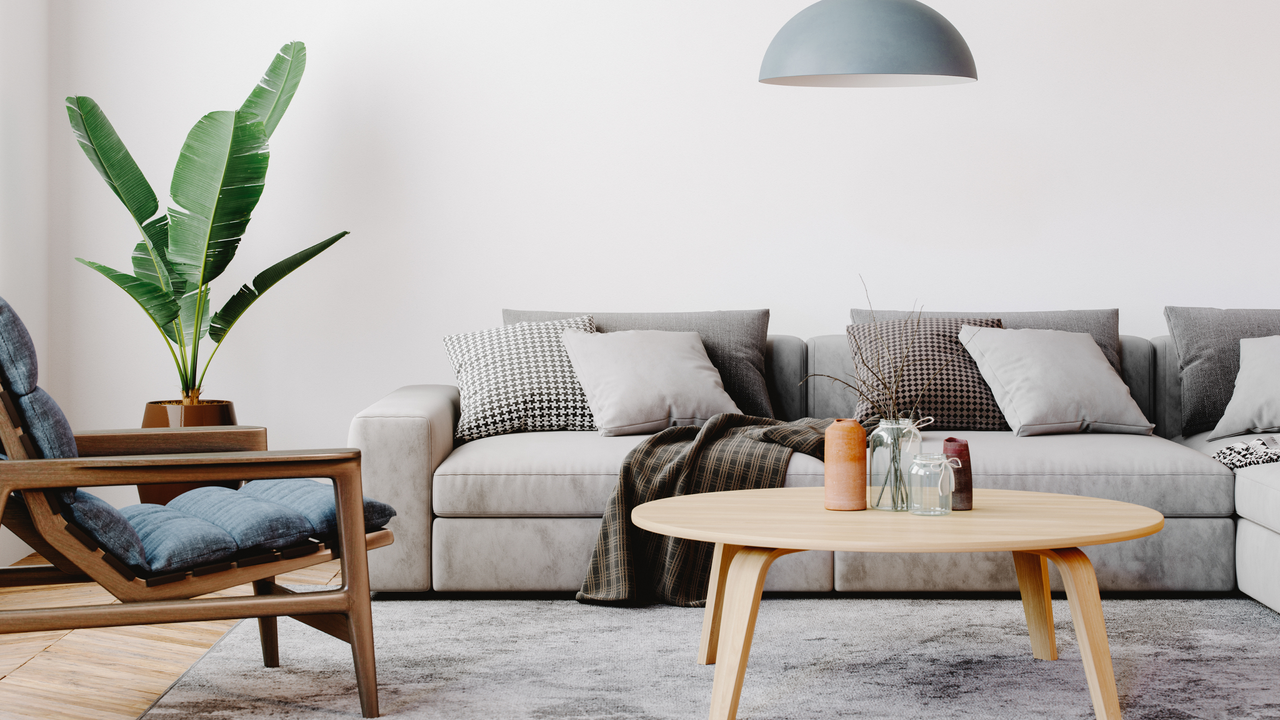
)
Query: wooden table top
[{"x": 795, "y": 518}]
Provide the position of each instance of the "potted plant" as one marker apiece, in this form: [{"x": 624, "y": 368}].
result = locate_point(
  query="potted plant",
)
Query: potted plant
[{"x": 217, "y": 182}]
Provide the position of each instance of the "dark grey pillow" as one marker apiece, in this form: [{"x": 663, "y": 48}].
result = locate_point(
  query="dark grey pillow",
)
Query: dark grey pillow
[
  {"x": 1208, "y": 344},
  {"x": 734, "y": 340},
  {"x": 1102, "y": 325}
]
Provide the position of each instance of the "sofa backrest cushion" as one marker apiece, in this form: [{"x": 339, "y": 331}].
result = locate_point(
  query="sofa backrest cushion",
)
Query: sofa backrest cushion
[
  {"x": 1207, "y": 341},
  {"x": 786, "y": 361},
  {"x": 1168, "y": 389},
  {"x": 1103, "y": 325},
  {"x": 830, "y": 355},
  {"x": 735, "y": 341}
]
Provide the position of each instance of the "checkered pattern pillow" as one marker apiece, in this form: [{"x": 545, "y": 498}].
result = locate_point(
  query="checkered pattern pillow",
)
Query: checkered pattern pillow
[
  {"x": 939, "y": 372},
  {"x": 518, "y": 378}
]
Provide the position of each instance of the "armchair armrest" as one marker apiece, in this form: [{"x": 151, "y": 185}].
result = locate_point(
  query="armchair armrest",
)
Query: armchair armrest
[
  {"x": 403, "y": 438},
  {"x": 146, "y": 469},
  {"x": 159, "y": 441}
]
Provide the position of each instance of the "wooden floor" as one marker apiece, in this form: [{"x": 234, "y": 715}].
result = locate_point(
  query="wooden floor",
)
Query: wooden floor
[{"x": 107, "y": 673}]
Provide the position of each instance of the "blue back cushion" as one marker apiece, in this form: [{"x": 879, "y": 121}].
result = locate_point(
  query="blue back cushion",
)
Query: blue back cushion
[
  {"x": 109, "y": 527},
  {"x": 17, "y": 352},
  {"x": 41, "y": 416}
]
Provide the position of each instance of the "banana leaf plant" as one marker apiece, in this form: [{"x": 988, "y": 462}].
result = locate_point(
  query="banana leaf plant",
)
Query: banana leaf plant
[{"x": 217, "y": 182}]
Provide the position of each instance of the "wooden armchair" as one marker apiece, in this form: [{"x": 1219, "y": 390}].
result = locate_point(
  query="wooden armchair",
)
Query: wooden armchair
[{"x": 32, "y": 496}]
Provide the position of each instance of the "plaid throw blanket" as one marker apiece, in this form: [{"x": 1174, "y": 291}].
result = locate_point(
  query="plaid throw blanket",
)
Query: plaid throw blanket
[
  {"x": 1248, "y": 453},
  {"x": 631, "y": 566}
]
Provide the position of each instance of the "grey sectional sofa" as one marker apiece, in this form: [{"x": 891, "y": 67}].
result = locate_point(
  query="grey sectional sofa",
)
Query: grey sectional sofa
[{"x": 521, "y": 512}]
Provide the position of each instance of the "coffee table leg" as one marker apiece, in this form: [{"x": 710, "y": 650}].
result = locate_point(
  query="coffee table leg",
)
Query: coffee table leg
[
  {"x": 743, "y": 584},
  {"x": 1081, "y": 584},
  {"x": 715, "y": 602},
  {"x": 1033, "y": 583}
]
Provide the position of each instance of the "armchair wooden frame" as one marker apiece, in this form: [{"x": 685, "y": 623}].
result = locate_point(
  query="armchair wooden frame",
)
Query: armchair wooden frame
[{"x": 134, "y": 457}]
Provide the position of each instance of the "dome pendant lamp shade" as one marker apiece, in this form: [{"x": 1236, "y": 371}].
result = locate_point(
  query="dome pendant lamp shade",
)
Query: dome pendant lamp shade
[{"x": 868, "y": 43}]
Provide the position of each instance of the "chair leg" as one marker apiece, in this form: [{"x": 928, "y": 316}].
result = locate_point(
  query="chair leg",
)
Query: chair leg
[
  {"x": 267, "y": 629},
  {"x": 360, "y": 621}
]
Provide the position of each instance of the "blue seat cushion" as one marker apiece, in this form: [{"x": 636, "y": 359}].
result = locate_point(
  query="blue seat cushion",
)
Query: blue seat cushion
[
  {"x": 210, "y": 525},
  {"x": 255, "y": 524},
  {"x": 316, "y": 502},
  {"x": 109, "y": 527},
  {"x": 174, "y": 540}
]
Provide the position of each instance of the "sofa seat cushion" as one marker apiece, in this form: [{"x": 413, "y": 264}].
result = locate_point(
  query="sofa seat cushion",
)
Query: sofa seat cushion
[
  {"x": 548, "y": 474},
  {"x": 1257, "y": 486},
  {"x": 1146, "y": 470}
]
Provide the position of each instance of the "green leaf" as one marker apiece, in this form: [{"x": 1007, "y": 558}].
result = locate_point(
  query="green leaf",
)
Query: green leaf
[
  {"x": 226, "y": 318},
  {"x": 188, "y": 304},
  {"x": 149, "y": 256},
  {"x": 108, "y": 154},
  {"x": 269, "y": 100},
  {"x": 217, "y": 182},
  {"x": 155, "y": 300}
]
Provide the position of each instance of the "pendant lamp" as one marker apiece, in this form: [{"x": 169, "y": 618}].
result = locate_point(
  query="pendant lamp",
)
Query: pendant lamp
[{"x": 868, "y": 43}]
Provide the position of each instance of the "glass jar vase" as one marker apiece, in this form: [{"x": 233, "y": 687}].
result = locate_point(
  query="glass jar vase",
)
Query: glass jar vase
[
  {"x": 931, "y": 481},
  {"x": 891, "y": 448}
]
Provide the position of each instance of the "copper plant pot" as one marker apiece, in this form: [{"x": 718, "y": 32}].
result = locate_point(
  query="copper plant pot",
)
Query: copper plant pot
[{"x": 173, "y": 414}]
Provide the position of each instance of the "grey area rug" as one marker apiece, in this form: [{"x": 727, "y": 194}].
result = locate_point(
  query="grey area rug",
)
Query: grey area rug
[{"x": 811, "y": 658}]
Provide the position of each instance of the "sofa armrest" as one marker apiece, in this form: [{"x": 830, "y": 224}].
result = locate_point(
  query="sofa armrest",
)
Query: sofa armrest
[{"x": 403, "y": 438}]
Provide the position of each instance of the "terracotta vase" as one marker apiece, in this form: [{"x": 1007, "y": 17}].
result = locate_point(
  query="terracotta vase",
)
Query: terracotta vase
[
  {"x": 845, "y": 463},
  {"x": 173, "y": 414}
]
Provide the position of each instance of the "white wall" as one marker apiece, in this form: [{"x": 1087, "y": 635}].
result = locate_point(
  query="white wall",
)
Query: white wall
[
  {"x": 574, "y": 154},
  {"x": 24, "y": 130}
]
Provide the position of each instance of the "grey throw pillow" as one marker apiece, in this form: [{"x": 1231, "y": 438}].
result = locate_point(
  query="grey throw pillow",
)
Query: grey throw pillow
[
  {"x": 644, "y": 381},
  {"x": 938, "y": 380},
  {"x": 1208, "y": 344},
  {"x": 1255, "y": 402},
  {"x": 734, "y": 340},
  {"x": 1048, "y": 381},
  {"x": 518, "y": 378},
  {"x": 1102, "y": 325}
]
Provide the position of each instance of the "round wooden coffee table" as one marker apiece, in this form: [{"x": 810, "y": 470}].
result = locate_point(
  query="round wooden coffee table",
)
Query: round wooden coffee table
[{"x": 752, "y": 528}]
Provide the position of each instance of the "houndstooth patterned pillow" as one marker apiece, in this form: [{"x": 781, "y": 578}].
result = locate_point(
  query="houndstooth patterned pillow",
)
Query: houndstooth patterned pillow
[
  {"x": 518, "y": 378},
  {"x": 939, "y": 371}
]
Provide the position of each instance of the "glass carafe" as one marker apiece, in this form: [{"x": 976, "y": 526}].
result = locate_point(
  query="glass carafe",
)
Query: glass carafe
[{"x": 890, "y": 450}]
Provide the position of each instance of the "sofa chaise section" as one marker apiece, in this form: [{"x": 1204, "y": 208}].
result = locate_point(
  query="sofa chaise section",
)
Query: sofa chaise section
[{"x": 1256, "y": 488}]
